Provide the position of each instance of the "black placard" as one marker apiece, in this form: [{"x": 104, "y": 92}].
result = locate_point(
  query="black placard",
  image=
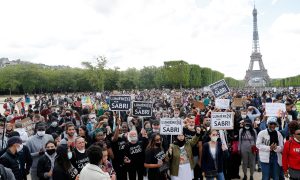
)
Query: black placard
[
  {"x": 120, "y": 103},
  {"x": 219, "y": 88},
  {"x": 143, "y": 109}
]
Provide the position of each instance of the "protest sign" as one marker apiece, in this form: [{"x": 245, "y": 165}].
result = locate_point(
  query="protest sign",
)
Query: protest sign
[
  {"x": 222, "y": 103},
  {"x": 143, "y": 109},
  {"x": 222, "y": 120},
  {"x": 237, "y": 102},
  {"x": 198, "y": 104},
  {"x": 170, "y": 126},
  {"x": 275, "y": 109},
  {"x": 219, "y": 88},
  {"x": 298, "y": 106},
  {"x": 28, "y": 125},
  {"x": 120, "y": 103}
]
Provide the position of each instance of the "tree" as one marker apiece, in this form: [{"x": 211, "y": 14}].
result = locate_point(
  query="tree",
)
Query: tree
[
  {"x": 177, "y": 73},
  {"x": 96, "y": 73}
]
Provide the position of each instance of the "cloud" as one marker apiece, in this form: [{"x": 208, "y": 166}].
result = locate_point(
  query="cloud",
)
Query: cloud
[{"x": 137, "y": 33}]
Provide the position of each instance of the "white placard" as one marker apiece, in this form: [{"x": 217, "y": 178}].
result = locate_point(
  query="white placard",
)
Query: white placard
[
  {"x": 275, "y": 109},
  {"x": 222, "y": 103},
  {"x": 222, "y": 120},
  {"x": 171, "y": 126}
]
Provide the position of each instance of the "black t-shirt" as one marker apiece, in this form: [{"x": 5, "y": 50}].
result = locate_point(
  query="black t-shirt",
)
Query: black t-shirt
[
  {"x": 188, "y": 136},
  {"x": 136, "y": 152},
  {"x": 118, "y": 150},
  {"x": 151, "y": 157},
  {"x": 79, "y": 160}
]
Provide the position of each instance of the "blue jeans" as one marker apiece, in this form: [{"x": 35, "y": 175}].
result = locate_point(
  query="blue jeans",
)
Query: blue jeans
[
  {"x": 271, "y": 168},
  {"x": 219, "y": 177}
]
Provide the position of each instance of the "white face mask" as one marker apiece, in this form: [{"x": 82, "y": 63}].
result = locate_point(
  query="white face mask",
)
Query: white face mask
[
  {"x": 277, "y": 128},
  {"x": 70, "y": 155},
  {"x": 214, "y": 138},
  {"x": 81, "y": 151},
  {"x": 20, "y": 148},
  {"x": 155, "y": 130},
  {"x": 54, "y": 124},
  {"x": 244, "y": 116},
  {"x": 41, "y": 133},
  {"x": 247, "y": 127},
  {"x": 294, "y": 109}
]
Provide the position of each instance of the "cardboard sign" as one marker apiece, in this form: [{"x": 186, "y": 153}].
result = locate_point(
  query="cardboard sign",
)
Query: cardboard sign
[
  {"x": 142, "y": 109},
  {"x": 219, "y": 88},
  {"x": 238, "y": 102},
  {"x": 170, "y": 126},
  {"x": 275, "y": 109},
  {"x": 198, "y": 104},
  {"x": 28, "y": 125},
  {"x": 222, "y": 120},
  {"x": 222, "y": 103},
  {"x": 298, "y": 106},
  {"x": 120, "y": 103}
]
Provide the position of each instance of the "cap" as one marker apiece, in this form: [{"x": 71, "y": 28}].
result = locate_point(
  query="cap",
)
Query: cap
[
  {"x": 14, "y": 140},
  {"x": 271, "y": 119},
  {"x": 156, "y": 122},
  {"x": 247, "y": 121}
]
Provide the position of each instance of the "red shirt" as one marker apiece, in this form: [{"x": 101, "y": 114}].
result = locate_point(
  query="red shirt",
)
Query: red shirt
[{"x": 291, "y": 155}]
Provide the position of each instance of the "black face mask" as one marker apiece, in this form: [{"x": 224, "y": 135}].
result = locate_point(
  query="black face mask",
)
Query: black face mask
[
  {"x": 180, "y": 143},
  {"x": 50, "y": 151},
  {"x": 157, "y": 144}
]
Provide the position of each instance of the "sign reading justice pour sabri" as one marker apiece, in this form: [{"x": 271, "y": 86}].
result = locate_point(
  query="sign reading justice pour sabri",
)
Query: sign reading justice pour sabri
[
  {"x": 143, "y": 109},
  {"x": 219, "y": 88},
  {"x": 120, "y": 103}
]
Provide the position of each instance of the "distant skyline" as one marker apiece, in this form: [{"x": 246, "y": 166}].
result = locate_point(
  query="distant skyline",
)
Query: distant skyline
[{"x": 136, "y": 33}]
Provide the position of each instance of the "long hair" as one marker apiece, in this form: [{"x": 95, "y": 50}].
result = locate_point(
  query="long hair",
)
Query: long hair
[
  {"x": 62, "y": 157},
  {"x": 151, "y": 144}
]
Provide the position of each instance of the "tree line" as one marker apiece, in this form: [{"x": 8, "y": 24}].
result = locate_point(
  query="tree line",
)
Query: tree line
[
  {"x": 287, "y": 82},
  {"x": 33, "y": 78}
]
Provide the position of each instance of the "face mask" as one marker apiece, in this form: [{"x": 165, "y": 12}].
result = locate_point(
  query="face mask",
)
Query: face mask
[
  {"x": 132, "y": 139},
  {"x": 176, "y": 115},
  {"x": 50, "y": 151},
  {"x": 157, "y": 144},
  {"x": 294, "y": 109},
  {"x": 20, "y": 148},
  {"x": 155, "y": 130},
  {"x": 244, "y": 116},
  {"x": 202, "y": 113},
  {"x": 257, "y": 122},
  {"x": 69, "y": 155},
  {"x": 191, "y": 127},
  {"x": 181, "y": 143},
  {"x": 148, "y": 130},
  {"x": 268, "y": 96},
  {"x": 81, "y": 151},
  {"x": 54, "y": 124},
  {"x": 277, "y": 128},
  {"x": 41, "y": 133},
  {"x": 247, "y": 127},
  {"x": 214, "y": 138}
]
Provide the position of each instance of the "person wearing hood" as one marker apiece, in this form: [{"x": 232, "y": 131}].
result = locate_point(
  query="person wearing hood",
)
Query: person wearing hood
[
  {"x": 247, "y": 140},
  {"x": 290, "y": 154},
  {"x": 181, "y": 156},
  {"x": 134, "y": 154},
  {"x": 270, "y": 145},
  {"x": 21, "y": 131},
  {"x": 46, "y": 162},
  {"x": 36, "y": 145}
]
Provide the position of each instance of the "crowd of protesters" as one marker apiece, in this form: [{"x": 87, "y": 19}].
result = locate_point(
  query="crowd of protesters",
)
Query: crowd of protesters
[{"x": 78, "y": 136}]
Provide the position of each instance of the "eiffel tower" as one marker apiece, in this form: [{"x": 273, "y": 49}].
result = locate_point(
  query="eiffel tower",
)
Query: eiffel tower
[{"x": 256, "y": 78}]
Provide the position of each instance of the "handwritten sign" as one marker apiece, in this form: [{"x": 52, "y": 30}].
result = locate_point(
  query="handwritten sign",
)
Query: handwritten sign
[
  {"x": 275, "y": 109},
  {"x": 171, "y": 126},
  {"x": 238, "y": 102},
  {"x": 222, "y": 120},
  {"x": 198, "y": 104},
  {"x": 219, "y": 88},
  {"x": 222, "y": 103}
]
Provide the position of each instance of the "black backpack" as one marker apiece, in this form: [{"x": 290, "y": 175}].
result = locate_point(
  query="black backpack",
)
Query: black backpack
[{"x": 3, "y": 175}]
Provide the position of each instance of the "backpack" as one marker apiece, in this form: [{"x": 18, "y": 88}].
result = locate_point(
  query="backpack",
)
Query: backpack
[{"x": 3, "y": 175}]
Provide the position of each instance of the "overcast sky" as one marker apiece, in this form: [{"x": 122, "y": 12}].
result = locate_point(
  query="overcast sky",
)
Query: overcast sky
[{"x": 137, "y": 33}]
